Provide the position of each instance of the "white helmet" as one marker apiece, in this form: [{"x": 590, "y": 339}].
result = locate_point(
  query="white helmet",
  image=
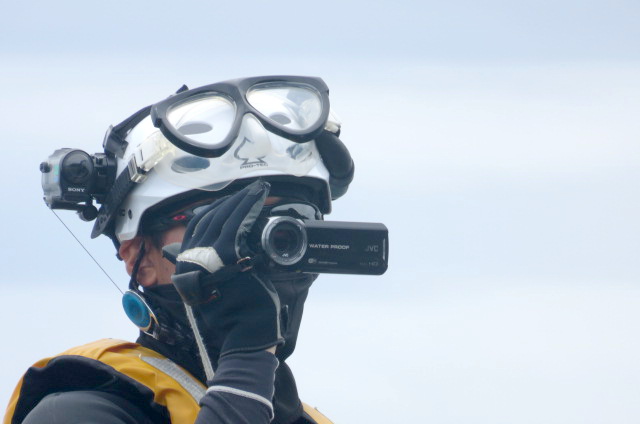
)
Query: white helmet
[{"x": 222, "y": 136}]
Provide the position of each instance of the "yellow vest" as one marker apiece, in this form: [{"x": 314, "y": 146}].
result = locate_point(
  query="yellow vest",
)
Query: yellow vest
[{"x": 172, "y": 386}]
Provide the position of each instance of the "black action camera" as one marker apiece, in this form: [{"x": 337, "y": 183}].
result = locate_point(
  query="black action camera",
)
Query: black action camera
[
  {"x": 322, "y": 246},
  {"x": 72, "y": 178}
]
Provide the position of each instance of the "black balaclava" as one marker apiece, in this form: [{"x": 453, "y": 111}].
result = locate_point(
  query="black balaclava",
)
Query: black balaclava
[{"x": 176, "y": 340}]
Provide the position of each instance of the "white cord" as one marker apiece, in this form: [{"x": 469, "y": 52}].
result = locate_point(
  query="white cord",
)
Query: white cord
[{"x": 206, "y": 362}]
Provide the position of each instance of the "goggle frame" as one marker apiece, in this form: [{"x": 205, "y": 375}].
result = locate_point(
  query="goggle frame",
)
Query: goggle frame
[{"x": 236, "y": 91}]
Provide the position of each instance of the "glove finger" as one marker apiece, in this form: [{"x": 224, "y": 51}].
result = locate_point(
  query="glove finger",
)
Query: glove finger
[
  {"x": 189, "y": 232},
  {"x": 211, "y": 225},
  {"x": 204, "y": 231},
  {"x": 239, "y": 223}
]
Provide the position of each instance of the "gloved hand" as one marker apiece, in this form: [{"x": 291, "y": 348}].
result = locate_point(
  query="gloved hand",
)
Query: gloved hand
[{"x": 229, "y": 307}]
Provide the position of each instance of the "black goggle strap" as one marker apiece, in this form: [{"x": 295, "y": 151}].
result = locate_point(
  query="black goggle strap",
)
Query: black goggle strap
[
  {"x": 115, "y": 144},
  {"x": 338, "y": 161},
  {"x": 127, "y": 179},
  {"x": 120, "y": 131}
]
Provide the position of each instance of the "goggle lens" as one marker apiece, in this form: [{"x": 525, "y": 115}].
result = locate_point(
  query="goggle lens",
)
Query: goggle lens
[
  {"x": 206, "y": 119},
  {"x": 295, "y": 107}
]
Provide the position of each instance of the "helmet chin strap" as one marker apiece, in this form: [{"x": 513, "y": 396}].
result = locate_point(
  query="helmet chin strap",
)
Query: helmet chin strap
[
  {"x": 133, "y": 281},
  {"x": 143, "y": 310}
]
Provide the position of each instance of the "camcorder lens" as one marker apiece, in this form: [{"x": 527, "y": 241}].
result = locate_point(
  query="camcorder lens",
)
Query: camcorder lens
[{"x": 284, "y": 239}]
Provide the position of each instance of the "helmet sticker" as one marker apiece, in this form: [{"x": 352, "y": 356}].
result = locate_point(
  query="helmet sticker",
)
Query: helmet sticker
[{"x": 245, "y": 160}]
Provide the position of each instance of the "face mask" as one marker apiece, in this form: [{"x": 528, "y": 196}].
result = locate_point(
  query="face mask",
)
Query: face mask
[{"x": 293, "y": 291}]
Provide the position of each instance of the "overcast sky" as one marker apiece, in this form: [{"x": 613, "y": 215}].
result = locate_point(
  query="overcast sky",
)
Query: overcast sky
[{"x": 499, "y": 142}]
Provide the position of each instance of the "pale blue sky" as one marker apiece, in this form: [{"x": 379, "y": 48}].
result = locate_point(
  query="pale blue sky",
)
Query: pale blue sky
[
  {"x": 434, "y": 31},
  {"x": 499, "y": 142}
]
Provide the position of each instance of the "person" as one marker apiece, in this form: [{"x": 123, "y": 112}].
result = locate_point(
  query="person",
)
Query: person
[{"x": 183, "y": 184}]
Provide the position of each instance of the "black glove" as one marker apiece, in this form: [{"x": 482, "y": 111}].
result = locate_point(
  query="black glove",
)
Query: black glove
[{"x": 229, "y": 307}]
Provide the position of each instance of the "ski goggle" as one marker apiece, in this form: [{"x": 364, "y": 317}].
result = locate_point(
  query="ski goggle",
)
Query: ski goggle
[{"x": 205, "y": 121}]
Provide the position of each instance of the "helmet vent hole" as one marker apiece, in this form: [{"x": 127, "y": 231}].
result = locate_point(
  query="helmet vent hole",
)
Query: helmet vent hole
[
  {"x": 298, "y": 151},
  {"x": 187, "y": 164},
  {"x": 195, "y": 128},
  {"x": 280, "y": 118},
  {"x": 130, "y": 214}
]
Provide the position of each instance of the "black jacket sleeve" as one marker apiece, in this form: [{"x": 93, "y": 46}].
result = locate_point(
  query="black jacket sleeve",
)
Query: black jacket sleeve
[{"x": 241, "y": 391}]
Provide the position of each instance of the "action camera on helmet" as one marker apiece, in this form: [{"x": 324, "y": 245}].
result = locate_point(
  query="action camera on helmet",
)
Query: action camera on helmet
[{"x": 72, "y": 178}]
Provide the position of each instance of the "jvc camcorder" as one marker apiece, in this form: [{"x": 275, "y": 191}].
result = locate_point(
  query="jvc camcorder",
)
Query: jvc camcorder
[{"x": 322, "y": 246}]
